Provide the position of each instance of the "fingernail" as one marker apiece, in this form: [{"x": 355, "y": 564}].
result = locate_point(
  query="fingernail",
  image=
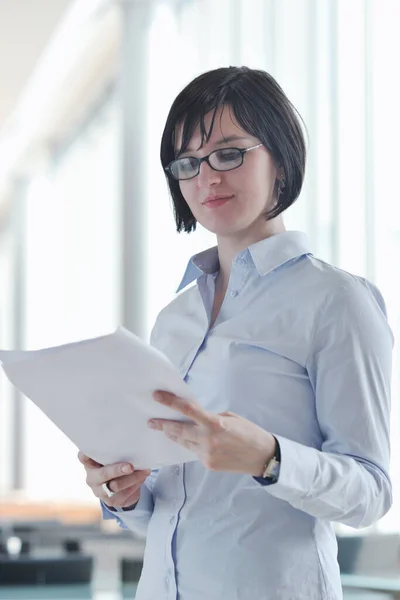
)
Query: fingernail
[
  {"x": 157, "y": 396},
  {"x": 126, "y": 469}
]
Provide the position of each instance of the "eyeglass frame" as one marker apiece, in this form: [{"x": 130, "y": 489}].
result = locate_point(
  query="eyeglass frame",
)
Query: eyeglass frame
[{"x": 206, "y": 159}]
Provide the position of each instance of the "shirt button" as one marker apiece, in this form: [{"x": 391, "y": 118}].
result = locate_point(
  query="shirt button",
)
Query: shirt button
[
  {"x": 172, "y": 519},
  {"x": 177, "y": 471},
  {"x": 234, "y": 293},
  {"x": 166, "y": 580}
]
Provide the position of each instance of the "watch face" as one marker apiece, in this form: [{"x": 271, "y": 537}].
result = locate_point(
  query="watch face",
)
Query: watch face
[{"x": 272, "y": 470}]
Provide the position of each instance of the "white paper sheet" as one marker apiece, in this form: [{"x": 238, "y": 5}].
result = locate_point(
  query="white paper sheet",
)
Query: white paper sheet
[{"x": 99, "y": 393}]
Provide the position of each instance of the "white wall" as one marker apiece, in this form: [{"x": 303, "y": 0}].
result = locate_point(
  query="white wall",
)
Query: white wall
[{"x": 73, "y": 283}]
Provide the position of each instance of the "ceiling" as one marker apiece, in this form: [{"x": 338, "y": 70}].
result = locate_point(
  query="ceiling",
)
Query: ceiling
[{"x": 25, "y": 28}]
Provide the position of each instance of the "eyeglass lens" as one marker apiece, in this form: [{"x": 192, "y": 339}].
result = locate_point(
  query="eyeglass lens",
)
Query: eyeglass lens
[{"x": 221, "y": 160}]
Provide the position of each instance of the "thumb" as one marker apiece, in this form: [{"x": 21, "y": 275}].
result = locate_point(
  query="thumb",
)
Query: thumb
[
  {"x": 227, "y": 413},
  {"x": 87, "y": 461}
]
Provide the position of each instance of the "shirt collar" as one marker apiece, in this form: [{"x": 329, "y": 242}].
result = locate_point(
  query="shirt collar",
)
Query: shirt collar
[{"x": 267, "y": 255}]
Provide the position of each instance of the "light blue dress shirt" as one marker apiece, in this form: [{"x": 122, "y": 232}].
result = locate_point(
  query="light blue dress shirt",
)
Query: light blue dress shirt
[{"x": 304, "y": 350}]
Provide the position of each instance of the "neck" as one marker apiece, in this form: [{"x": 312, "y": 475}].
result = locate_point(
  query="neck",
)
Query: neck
[{"x": 230, "y": 246}]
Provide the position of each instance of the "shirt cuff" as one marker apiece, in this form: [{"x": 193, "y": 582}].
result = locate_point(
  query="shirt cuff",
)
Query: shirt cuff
[
  {"x": 297, "y": 470},
  {"x": 106, "y": 508}
]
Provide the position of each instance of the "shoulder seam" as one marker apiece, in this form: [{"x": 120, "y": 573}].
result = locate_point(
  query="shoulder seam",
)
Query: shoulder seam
[
  {"x": 343, "y": 285},
  {"x": 324, "y": 262}
]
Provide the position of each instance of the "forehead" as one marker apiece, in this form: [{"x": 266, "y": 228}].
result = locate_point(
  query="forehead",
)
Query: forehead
[{"x": 222, "y": 125}]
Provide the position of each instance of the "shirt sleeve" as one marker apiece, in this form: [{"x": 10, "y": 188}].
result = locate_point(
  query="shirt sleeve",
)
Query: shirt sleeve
[
  {"x": 349, "y": 367},
  {"x": 138, "y": 518}
]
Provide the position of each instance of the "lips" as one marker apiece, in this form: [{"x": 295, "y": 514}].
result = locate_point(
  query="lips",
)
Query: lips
[{"x": 217, "y": 200}]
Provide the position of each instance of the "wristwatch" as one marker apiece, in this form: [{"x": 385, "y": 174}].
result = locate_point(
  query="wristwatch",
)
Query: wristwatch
[{"x": 273, "y": 466}]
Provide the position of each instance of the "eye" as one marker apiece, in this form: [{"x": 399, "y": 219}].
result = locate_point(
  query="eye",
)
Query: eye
[
  {"x": 227, "y": 154},
  {"x": 187, "y": 164}
]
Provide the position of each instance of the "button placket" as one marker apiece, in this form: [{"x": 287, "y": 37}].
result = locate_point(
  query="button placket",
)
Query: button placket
[{"x": 238, "y": 277}]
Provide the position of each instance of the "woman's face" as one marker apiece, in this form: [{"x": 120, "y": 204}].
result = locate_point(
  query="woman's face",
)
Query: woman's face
[{"x": 248, "y": 190}]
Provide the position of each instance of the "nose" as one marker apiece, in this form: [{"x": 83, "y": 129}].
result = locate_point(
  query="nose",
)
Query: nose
[{"x": 207, "y": 176}]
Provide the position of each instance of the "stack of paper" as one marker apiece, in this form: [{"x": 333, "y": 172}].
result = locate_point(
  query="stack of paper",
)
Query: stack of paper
[{"x": 99, "y": 393}]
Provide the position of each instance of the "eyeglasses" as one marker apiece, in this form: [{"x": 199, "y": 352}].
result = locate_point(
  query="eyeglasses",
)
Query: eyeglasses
[{"x": 225, "y": 159}]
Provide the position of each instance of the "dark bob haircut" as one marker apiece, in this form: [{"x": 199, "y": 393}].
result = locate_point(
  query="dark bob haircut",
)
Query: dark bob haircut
[{"x": 260, "y": 107}]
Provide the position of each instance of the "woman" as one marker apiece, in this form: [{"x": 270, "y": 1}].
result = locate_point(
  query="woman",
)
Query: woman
[{"x": 288, "y": 357}]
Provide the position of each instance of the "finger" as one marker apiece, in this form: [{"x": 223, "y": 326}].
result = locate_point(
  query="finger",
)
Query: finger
[
  {"x": 121, "y": 498},
  {"x": 193, "y": 446},
  {"x": 122, "y": 483},
  {"x": 227, "y": 413},
  {"x": 105, "y": 474},
  {"x": 87, "y": 461},
  {"x": 189, "y": 431},
  {"x": 190, "y": 409},
  {"x": 133, "y": 499}
]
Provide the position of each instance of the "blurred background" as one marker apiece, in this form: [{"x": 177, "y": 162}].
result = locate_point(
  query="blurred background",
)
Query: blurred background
[{"x": 87, "y": 235}]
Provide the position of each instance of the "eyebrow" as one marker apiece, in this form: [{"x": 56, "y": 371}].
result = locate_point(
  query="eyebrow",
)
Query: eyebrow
[{"x": 224, "y": 140}]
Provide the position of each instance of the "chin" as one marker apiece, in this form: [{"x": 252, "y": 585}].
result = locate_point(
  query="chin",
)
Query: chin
[
  {"x": 225, "y": 225},
  {"x": 223, "y": 230}
]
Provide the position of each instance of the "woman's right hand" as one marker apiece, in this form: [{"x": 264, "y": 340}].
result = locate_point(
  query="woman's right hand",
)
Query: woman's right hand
[{"x": 120, "y": 477}]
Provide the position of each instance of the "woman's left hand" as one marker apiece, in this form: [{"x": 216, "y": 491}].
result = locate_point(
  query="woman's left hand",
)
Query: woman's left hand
[{"x": 223, "y": 442}]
